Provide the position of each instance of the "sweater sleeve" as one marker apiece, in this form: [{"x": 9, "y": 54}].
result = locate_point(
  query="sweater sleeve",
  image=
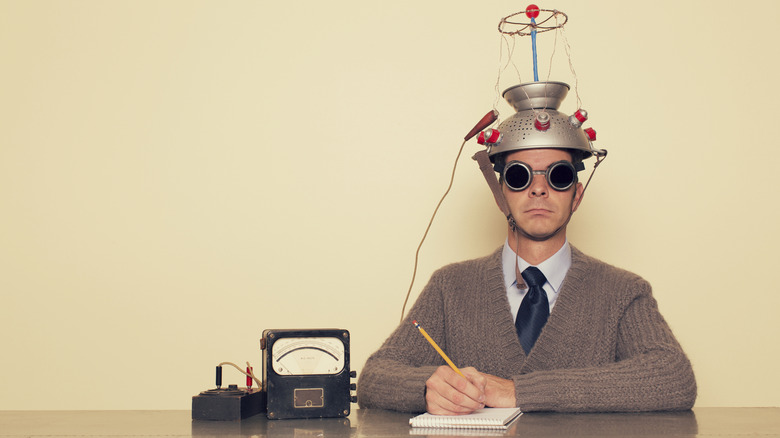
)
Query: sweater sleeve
[
  {"x": 394, "y": 376},
  {"x": 649, "y": 372}
]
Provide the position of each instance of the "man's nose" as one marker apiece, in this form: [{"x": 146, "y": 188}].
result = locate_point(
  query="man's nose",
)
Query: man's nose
[{"x": 538, "y": 186}]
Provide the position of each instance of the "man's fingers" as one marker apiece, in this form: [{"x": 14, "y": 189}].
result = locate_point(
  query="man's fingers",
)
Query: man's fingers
[{"x": 448, "y": 393}]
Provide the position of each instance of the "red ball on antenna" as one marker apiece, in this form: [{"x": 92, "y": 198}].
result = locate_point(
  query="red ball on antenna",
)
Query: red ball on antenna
[{"x": 532, "y": 11}]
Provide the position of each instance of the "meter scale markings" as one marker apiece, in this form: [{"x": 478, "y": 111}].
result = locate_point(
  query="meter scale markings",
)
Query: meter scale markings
[{"x": 307, "y": 356}]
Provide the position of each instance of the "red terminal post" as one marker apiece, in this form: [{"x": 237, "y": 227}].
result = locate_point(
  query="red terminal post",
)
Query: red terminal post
[
  {"x": 489, "y": 137},
  {"x": 578, "y": 118},
  {"x": 591, "y": 133},
  {"x": 248, "y": 378},
  {"x": 542, "y": 122}
]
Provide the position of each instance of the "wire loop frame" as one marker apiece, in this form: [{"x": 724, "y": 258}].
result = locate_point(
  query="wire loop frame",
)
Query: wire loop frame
[{"x": 527, "y": 28}]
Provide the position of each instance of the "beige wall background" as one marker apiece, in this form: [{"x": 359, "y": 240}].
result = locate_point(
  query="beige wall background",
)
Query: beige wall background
[{"x": 177, "y": 176}]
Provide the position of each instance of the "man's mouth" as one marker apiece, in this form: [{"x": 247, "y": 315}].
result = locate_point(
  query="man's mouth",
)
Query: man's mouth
[{"x": 538, "y": 210}]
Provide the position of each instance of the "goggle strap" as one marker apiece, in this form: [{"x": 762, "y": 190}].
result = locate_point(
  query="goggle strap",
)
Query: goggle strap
[
  {"x": 486, "y": 167},
  {"x": 518, "y": 276}
]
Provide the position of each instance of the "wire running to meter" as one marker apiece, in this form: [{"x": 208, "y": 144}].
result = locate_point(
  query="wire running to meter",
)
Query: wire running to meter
[
  {"x": 428, "y": 228},
  {"x": 486, "y": 120}
]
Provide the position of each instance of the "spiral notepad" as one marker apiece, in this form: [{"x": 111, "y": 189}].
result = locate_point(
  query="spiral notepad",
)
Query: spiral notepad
[{"x": 485, "y": 418}]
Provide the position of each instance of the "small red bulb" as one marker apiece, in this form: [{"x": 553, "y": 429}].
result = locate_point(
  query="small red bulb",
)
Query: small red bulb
[
  {"x": 532, "y": 11},
  {"x": 542, "y": 122},
  {"x": 489, "y": 137},
  {"x": 578, "y": 118},
  {"x": 591, "y": 133}
]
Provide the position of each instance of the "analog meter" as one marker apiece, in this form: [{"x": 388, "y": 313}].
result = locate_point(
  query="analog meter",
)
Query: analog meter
[{"x": 306, "y": 373}]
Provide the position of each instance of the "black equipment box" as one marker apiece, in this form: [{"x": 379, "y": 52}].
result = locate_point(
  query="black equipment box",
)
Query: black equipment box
[{"x": 230, "y": 403}]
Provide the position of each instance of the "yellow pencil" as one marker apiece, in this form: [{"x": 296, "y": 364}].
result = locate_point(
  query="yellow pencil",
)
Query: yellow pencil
[{"x": 441, "y": 353}]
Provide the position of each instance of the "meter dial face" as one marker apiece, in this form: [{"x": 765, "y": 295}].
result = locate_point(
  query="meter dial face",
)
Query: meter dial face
[{"x": 305, "y": 356}]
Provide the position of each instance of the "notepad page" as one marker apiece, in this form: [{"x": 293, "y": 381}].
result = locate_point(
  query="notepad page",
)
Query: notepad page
[{"x": 486, "y": 418}]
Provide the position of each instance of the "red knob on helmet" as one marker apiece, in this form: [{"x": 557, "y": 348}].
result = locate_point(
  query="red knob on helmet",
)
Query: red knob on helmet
[{"x": 489, "y": 137}]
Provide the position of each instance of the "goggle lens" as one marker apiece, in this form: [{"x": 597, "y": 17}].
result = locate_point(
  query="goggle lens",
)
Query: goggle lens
[
  {"x": 517, "y": 175},
  {"x": 560, "y": 175}
]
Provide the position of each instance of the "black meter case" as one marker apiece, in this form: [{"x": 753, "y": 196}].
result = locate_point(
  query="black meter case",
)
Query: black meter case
[{"x": 306, "y": 373}]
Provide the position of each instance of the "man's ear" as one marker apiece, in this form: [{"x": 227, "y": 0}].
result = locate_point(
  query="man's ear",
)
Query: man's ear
[{"x": 579, "y": 192}]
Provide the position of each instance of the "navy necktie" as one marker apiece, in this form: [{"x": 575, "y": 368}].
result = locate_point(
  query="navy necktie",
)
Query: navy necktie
[{"x": 534, "y": 309}]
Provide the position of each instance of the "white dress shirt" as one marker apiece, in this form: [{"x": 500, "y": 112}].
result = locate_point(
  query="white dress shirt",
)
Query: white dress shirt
[{"x": 554, "y": 269}]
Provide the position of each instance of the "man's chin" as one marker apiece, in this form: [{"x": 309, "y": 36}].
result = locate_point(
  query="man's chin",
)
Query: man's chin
[{"x": 539, "y": 234}]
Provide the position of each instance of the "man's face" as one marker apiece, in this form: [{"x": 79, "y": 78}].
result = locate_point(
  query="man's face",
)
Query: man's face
[{"x": 540, "y": 210}]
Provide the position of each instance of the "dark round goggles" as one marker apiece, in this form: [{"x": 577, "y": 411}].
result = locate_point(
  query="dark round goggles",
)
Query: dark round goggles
[{"x": 561, "y": 175}]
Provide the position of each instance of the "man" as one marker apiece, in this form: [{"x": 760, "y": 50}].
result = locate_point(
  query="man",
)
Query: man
[{"x": 599, "y": 344}]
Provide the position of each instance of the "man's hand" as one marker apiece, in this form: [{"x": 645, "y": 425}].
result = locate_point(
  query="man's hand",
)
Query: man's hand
[
  {"x": 447, "y": 393},
  {"x": 499, "y": 393}
]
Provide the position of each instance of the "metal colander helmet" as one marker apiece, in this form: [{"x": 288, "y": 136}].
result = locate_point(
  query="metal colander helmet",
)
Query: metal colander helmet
[{"x": 538, "y": 124}]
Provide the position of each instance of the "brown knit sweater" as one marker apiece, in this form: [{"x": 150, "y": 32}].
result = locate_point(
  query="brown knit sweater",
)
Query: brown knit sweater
[{"x": 605, "y": 346}]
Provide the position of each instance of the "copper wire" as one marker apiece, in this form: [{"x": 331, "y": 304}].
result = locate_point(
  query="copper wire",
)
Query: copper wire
[{"x": 433, "y": 216}]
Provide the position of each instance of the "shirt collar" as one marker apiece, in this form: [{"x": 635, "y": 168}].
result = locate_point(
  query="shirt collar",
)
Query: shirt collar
[{"x": 554, "y": 268}]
